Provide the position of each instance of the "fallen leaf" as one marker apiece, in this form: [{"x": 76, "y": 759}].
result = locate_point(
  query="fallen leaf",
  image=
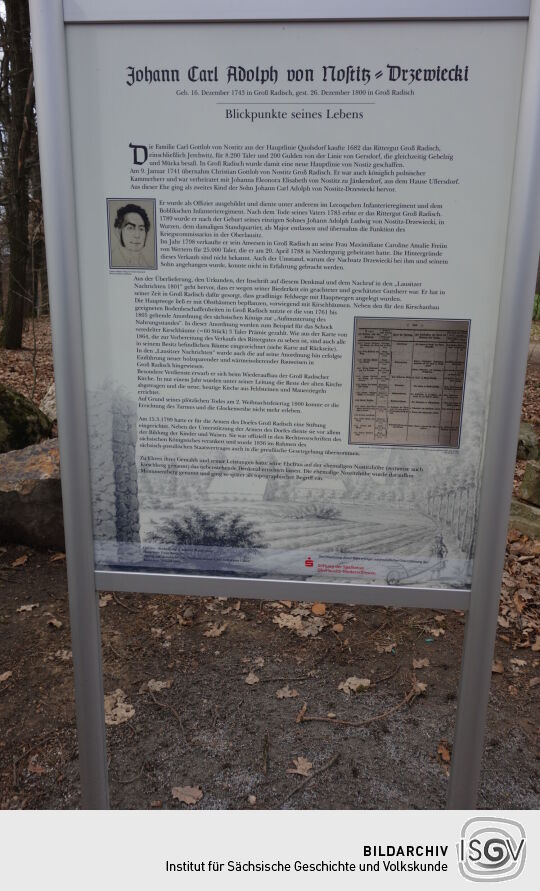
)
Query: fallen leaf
[
  {"x": 354, "y": 685},
  {"x": 338, "y": 627},
  {"x": 27, "y": 607},
  {"x": 440, "y": 618},
  {"x": 286, "y": 693},
  {"x": 523, "y": 594},
  {"x": 420, "y": 663},
  {"x": 443, "y": 751},
  {"x": 252, "y": 799},
  {"x": 301, "y": 766},
  {"x": 251, "y": 679},
  {"x": 513, "y": 690},
  {"x": 385, "y": 648},
  {"x": 105, "y": 599},
  {"x": 20, "y": 561},
  {"x": 532, "y": 683},
  {"x": 155, "y": 686},
  {"x": 331, "y": 715},
  {"x": 5, "y": 676},
  {"x": 301, "y": 713},
  {"x": 156, "y": 803},
  {"x": 497, "y": 667},
  {"x": 346, "y": 616},
  {"x": 35, "y": 767},
  {"x": 287, "y": 603},
  {"x": 284, "y": 620},
  {"x": 519, "y": 663},
  {"x": 419, "y": 688},
  {"x": 56, "y": 623},
  {"x": 64, "y": 655},
  {"x": 310, "y": 628},
  {"x": 259, "y": 662},
  {"x": 216, "y": 630},
  {"x": 504, "y": 623},
  {"x": 117, "y": 710},
  {"x": 318, "y": 609},
  {"x": 57, "y": 557},
  {"x": 187, "y": 794},
  {"x": 436, "y": 632}
]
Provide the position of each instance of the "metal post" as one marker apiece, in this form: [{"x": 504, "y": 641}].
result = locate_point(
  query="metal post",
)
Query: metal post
[
  {"x": 48, "y": 47},
  {"x": 507, "y": 387}
]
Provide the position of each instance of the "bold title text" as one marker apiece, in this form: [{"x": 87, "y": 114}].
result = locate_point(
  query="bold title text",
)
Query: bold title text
[{"x": 346, "y": 74}]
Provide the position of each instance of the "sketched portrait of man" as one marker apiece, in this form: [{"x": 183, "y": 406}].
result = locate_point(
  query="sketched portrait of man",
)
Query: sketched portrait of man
[{"x": 132, "y": 242}]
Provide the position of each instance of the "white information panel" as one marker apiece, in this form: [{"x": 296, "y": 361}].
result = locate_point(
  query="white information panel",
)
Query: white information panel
[{"x": 291, "y": 242}]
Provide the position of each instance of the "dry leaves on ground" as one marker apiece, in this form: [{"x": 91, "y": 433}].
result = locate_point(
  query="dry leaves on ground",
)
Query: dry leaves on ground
[
  {"x": 519, "y": 609},
  {"x": 64, "y": 655},
  {"x": 155, "y": 686},
  {"x": 301, "y": 766},
  {"x": 420, "y": 663},
  {"x": 309, "y": 627},
  {"x": 443, "y": 751},
  {"x": 5, "y": 676},
  {"x": 27, "y": 607},
  {"x": 54, "y": 622},
  {"x": 444, "y": 755},
  {"x": 385, "y": 648},
  {"x": 216, "y": 630},
  {"x": 105, "y": 599},
  {"x": 117, "y": 710},
  {"x": 20, "y": 561},
  {"x": 286, "y": 693},
  {"x": 497, "y": 667},
  {"x": 354, "y": 685},
  {"x": 251, "y": 679},
  {"x": 187, "y": 794}
]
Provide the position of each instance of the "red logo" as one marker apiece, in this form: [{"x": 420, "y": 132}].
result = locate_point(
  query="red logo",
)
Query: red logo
[{"x": 309, "y": 562}]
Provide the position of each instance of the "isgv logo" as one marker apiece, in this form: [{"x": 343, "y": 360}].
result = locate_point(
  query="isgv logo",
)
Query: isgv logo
[{"x": 491, "y": 849}]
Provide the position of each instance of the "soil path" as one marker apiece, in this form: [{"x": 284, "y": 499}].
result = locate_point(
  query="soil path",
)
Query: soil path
[{"x": 213, "y": 689}]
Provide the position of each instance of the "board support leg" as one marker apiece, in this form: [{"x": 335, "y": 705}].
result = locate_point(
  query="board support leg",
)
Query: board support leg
[{"x": 49, "y": 52}]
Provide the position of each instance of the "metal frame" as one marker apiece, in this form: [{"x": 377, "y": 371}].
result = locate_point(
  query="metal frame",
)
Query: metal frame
[
  {"x": 48, "y": 38},
  {"x": 83, "y": 11}
]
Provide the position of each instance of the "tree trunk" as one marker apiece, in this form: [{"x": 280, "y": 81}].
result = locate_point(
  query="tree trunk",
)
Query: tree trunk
[{"x": 18, "y": 103}]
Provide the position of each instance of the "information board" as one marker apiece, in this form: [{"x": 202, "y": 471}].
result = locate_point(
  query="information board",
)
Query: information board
[
  {"x": 291, "y": 265},
  {"x": 291, "y": 241}
]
